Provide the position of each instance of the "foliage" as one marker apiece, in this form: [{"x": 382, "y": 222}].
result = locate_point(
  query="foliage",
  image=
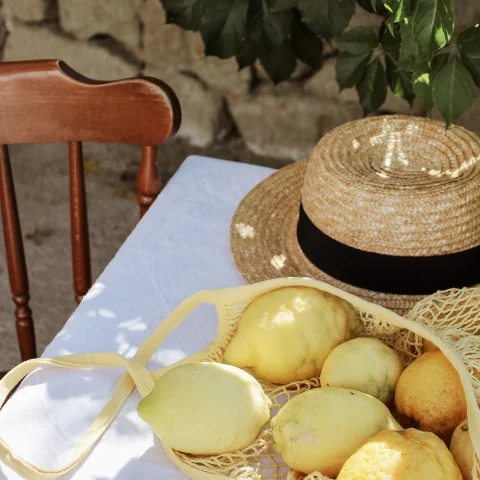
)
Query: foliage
[{"x": 413, "y": 54}]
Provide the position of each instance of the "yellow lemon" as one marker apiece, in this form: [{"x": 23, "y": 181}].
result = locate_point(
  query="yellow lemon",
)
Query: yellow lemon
[
  {"x": 401, "y": 455},
  {"x": 462, "y": 450},
  {"x": 363, "y": 364},
  {"x": 286, "y": 335},
  {"x": 429, "y": 391},
  {"x": 206, "y": 408},
  {"x": 428, "y": 346},
  {"x": 319, "y": 429}
]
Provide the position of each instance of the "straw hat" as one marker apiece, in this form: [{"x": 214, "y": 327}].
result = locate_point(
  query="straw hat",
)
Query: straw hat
[{"x": 387, "y": 208}]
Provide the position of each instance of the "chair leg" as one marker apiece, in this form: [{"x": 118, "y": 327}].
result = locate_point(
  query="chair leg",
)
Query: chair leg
[
  {"x": 17, "y": 268},
  {"x": 82, "y": 273},
  {"x": 148, "y": 182}
]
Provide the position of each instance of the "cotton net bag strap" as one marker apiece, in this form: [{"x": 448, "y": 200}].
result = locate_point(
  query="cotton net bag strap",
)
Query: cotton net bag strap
[{"x": 447, "y": 319}]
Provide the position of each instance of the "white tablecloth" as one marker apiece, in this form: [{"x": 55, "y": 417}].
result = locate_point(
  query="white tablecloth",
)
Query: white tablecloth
[{"x": 180, "y": 246}]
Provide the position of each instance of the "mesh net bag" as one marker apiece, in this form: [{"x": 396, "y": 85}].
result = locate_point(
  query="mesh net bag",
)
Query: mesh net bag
[{"x": 448, "y": 319}]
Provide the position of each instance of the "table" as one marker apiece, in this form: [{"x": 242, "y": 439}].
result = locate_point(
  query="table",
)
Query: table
[{"x": 179, "y": 247}]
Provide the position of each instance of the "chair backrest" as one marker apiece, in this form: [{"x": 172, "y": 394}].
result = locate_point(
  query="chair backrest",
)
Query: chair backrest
[{"x": 47, "y": 101}]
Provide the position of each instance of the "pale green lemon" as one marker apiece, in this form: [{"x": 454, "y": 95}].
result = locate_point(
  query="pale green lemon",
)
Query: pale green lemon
[
  {"x": 206, "y": 408},
  {"x": 363, "y": 364},
  {"x": 319, "y": 429},
  {"x": 286, "y": 335},
  {"x": 462, "y": 450}
]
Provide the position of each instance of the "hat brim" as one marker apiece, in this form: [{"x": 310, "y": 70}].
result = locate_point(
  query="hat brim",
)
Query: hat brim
[{"x": 263, "y": 238}]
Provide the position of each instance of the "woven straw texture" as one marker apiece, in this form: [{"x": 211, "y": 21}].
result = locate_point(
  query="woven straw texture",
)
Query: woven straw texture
[
  {"x": 449, "y": 319},
  {"x": 394, "y": 185}
]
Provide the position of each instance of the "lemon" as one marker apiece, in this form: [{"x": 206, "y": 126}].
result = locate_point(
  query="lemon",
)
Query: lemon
[
  {"x": 286, "y": 335},
  {"x": 363, "y": 364},
  {"x": 462, "y": 450},
  {"x": 429, "y": 391},
  {"x": 319, "y": 429},
  {"x": 401, "y": 455},
  {"x": 206, "y": 408}
]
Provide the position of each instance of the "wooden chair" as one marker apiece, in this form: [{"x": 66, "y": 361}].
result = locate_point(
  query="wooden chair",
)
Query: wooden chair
[{"x": 46, "y": 101}]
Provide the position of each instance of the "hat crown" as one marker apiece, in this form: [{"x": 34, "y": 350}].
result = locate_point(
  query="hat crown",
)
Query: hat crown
[{"x": 396, "y": 185}]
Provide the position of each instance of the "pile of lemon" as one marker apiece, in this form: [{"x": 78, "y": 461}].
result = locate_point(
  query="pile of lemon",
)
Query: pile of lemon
[{"x": 350, "y": 428}]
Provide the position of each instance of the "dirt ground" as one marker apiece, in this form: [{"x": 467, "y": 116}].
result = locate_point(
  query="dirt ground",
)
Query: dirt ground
[{"x": 41, "y": 181}]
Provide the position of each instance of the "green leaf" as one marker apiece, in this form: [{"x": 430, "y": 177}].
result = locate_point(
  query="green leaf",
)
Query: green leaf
[
  {"x": 390, "y": 5},
  {"x": 327, "y": 18},
  {"x": 373, "y": 6},
  {"x": 250, "y": 47},
  {"x": 358, "y": 40},
  {"x": 422, "y": 83},
  {"x": 281, "y": 5},
  {"x": 185, "y": 13},
  {"x": 454, "y": 90},
  {"x": 349, "y": 68},
  {"x": 400, "y": 83},
  {"x": 422, "y": 88},
  {"x": 468, "y": 43},
  {"x": 223, "y": 26},
  {"x": 308, "y": 46},
  {"x": 277, "y": 26},
  {"x": 411, "y": 57},
  {"x": 401, "y": 11},
  {"x": 372, "y": 89},
  {"x": 264, "y": 30},
  {"x": 391, "y": 42},
  {"x": 279, "y": 62},
  {"x": 247, "y": 54},
  {"x": 431, "y": 26}
]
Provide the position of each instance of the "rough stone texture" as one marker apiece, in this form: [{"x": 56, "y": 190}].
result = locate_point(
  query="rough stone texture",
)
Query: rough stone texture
[
  {"x": 164, "y": 45},
  {"x": 467, "y": 13},
  {"x": 335, "y": 114},
  {"x": 86, "y": 18},
  {"x": 285, "y": 125},
  {"x": 201, "y": 107},
  {"x": 3, "y": 27},
  {"x": 323, "y": 85},
  {"x": 32, "y": 10},
  {"x": 221, "y": 75},
  {"x": 394, "y": 104},
  {"x": 33, "y": 42},
  {"x": 301, "y": 70},
  {"x": 365, "y": 19}
]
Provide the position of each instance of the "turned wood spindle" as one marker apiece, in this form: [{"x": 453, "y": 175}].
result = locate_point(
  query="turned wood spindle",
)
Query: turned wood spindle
[
  {"x": 17, "y": 268},
  {"x": 82, "y": 275},
  {"x": 148, "y": 182}
]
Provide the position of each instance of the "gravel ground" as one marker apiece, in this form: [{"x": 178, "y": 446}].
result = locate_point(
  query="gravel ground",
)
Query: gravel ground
[{"x": 41, "y": 181}]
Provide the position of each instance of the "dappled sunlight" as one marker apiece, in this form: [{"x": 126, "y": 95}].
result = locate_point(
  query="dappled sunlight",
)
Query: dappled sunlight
[
  {"x": 96, "y": 290},
  {"x": 105, "y": 313},
  {"x": 456, "y": 171},
  {"x": 135, "y": 325},
  {"x": 245, "y": 231},
  {"x": 394, "y": 150},
  {"x": 278, "y": 261},
  {"x": 64, "y": 351},
  {"x": 124, "y": 346},
  {"x": 393, "y": 142},
  {"x": 169, "y": 356}
]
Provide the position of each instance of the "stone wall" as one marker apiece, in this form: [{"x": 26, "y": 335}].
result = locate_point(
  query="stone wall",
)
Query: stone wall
[{"x": 111, "y": 39}]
